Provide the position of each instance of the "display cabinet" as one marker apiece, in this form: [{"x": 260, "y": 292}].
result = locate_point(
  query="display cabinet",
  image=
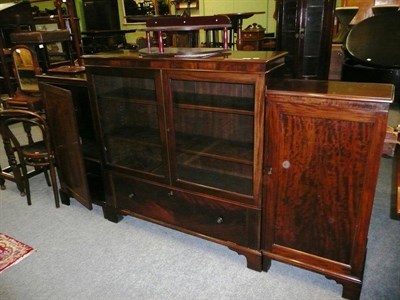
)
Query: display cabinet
[
  {"x": 182, "y": 141},
  {"x": 304, "y": 29},
  {"x": 323, "y": 150}
]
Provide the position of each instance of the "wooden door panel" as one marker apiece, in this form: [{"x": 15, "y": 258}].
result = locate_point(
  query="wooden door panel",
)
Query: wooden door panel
[
  {"x": 321, "y": 172},
  {"x": 66, "y": 142}
]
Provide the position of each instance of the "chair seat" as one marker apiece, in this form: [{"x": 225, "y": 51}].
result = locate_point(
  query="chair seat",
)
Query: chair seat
[
  {"x": 21, "y": 100},
  {"x": 36, "y": 150}
]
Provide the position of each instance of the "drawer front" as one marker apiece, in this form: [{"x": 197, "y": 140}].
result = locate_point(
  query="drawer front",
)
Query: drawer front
[{"x": 201, "y": 215}]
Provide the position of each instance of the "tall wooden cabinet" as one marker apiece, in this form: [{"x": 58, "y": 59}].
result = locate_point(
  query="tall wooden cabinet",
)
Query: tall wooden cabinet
[
  {"x": 324, "y": 142},
  {"x": 304, "y": 29}
]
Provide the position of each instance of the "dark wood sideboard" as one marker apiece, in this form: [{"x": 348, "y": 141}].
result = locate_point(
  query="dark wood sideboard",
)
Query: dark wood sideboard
[{"x": 222, "y": 149}]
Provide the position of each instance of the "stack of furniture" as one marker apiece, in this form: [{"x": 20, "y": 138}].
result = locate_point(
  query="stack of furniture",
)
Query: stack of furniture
[
  {"x": 39, "y": 42},
  {"x": 60, "y": 16}
]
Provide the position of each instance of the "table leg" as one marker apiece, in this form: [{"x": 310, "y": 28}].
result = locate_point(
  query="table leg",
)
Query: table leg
[{"x": 239, "y": 34}]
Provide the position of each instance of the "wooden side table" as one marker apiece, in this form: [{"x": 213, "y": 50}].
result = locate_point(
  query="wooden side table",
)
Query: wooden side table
[{"x": 237, "y": 24}]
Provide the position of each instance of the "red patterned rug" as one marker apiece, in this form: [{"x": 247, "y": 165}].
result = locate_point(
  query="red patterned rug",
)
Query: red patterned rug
[{"x": 12, "y": 251}]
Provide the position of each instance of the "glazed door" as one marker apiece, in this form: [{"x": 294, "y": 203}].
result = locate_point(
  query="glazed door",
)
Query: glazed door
[
  {"x": 214, "y": 131},
  {"x": 131, "y": 114},
  {"x": 305, "y": 31},
  {"x": 288, "y": 28},
  {"x": 60, "y": 116},
  {"x": 316, "y": 35}
]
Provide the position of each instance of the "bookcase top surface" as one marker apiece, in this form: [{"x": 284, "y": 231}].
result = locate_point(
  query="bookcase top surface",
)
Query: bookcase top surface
[
  {"x": 330, "y": 89},
  {"x": 246, "y": 61}
]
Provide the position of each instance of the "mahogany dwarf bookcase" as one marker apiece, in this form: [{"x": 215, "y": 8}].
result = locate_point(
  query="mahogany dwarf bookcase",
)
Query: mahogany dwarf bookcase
[{"x": 223, "y": 149}]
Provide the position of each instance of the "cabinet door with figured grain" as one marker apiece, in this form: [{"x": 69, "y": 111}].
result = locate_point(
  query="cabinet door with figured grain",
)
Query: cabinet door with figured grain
[{"x": 322, "y": 160}]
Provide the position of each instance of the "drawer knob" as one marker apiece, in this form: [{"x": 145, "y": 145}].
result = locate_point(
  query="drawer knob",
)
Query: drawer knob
[
  {"x": 131, "y": 195},
  {"x": 220, "y": 220},
  {"x": 170, "y": 193}
]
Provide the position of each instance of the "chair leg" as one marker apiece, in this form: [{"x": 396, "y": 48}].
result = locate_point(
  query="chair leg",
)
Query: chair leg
[
  {"x": 28, "y": 191},
  {"x": 25, "y": 181},
  {"x": 2, "y": 181},
  {"x": 2, "y": 184},
  {"x": 46, "y": 175}
]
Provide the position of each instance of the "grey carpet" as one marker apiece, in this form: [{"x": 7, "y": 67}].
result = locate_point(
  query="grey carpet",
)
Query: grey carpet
[{"x": 81, "y": 255}]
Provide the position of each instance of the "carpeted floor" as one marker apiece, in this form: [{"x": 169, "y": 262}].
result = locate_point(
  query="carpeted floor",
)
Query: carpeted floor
[{"x": 80, "y": 255}]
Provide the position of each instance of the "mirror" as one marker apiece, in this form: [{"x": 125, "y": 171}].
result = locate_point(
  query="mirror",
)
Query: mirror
[
  {"x": 146, "y": 7},
  {"x": 26, "y": 68}
]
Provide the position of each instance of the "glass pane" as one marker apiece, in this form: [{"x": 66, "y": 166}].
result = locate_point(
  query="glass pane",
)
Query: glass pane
[
  {"x": 312, "y": 38},
  {"x": 214, "y": 128},
  {"x": 130, "y": 122}
]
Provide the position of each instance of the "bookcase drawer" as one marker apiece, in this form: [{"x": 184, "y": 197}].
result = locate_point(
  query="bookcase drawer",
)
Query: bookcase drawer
[{"x": 194, "y": 213}]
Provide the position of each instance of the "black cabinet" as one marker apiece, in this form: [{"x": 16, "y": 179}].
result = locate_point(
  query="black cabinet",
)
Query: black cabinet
[
  {"x": 305, "y": 31},
  {"x": 101, "y": 14}
]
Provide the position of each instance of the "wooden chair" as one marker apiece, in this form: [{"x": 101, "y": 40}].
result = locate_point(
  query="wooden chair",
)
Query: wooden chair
[
  {"x": 35, "y": 152},
  {"x": 26, "y": 97}
]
